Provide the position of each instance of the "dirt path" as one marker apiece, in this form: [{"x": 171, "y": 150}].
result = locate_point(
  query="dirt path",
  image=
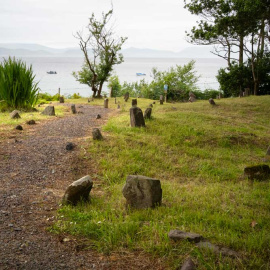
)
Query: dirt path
[{"x": 35, "y": 169}]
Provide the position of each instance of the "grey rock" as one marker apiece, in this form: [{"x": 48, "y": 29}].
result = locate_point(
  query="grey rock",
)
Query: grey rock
[
  {"x": 188, "y": 265},
  {"x": 134, "y": 102},
  {"x": 258, "y": 172},
  {"x": 96, "y": 134},
  {"x": 19, "y": 127},
  {"x": 15, "y": 114},
  {"x": 126, "y": 96},
  {"x": 147, "y": 113},
  {"x": 106, "y": 103},
  {"x": 31, "y": 122},
  {"x": 78, "y": 190},
  {"x": 136, "y": 117},
  {"x": 192, "y": 97},
  {"x": 211, "y": 101},
  {"x": 73, "y": 108},
  {"x": 49, "y": 110},
  {"x": 70, "y": 146},
  {"x": 177, "y": 235},
  {"x": 142, "y": 192},
  {"x": 98, "y": 116},
  {"x": 80, "y": 112},
  {"x": 61, "y": 99},
  {"x": 118, "y": 106}
]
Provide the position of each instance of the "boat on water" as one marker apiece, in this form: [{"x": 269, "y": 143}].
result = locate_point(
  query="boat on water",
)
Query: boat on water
[
  {"x": 140, "y": 74},
  {"x": 51, "y": 72}
]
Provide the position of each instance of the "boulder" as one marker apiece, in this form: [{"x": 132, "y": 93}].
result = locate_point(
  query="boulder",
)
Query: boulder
[
  {"x": 78, "y": 190},
  {"x": 61, "y": 99},
  {"x": 136, "y": 117},
  {"x": 126, "y": 96},
  {"x": 19, "y": 127},
  {"x": 134, "y": 102},
  {"x": 73, "y": 108},
  {"x": 258, "y": 172},
  {"x": 98, "y": 116},
  {"x": 15, "y": 114},
  {"x": 192, "y": 97},
  {"x": 177, "y": 235},
  {"x": 106, "y": 103},
  {"x": 70, "y": 146},
  {"x": 31, "y": 122},
  {"x": 96, "y": 134},
  {"x": 211, "y": 101},
  {"x": 188, "y": 265},
  {"x": 142, "y": 192},
  {"x": 147, "y": 113},
  {"x": 49, "y": 110}
]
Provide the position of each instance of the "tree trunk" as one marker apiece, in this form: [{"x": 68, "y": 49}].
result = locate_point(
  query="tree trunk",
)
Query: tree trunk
[
  {"x": 100, "y": 89},
  {"x": 241, "y": 58}
]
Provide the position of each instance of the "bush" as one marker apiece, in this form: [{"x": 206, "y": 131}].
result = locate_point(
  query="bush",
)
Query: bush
[
  {"x": 17, "y": 86},
  {"x": 48, "y": 97}
]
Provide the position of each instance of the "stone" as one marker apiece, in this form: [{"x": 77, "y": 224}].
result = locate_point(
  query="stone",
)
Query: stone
[
  {"x": 88, "y": 100},
  {"x": 188, "y": 265},
  {"x": 150, "y": 105},
  {"x": 147, "y": 113},
  {"x": 61, "y": 99},
  {"x": 19, "y": 127},
  {"x": 49, "y": 110},
  {"x": 161, "y": 102},
  {"x": 134, "y": 102},
  {"x": 218, "y": 250},
  {"x": 98, "y": 116},
  {"x": 96, "y": 134},
  {"x": 258, "y": 172},
  {"x": 115, "y": 101},
  {"x": 268, "y": 151},
  {"x": 211, "y": 101},
  {"x": 15, "y": 114},
  {"x": 177, "y": 235},
  {"x": 161, "y": 99},
  {"x": 70, "y": 146},
  {"x": 142, "y": 192},
  {"x": 106, "y": 103},
  {"x": 192, "y": 97},
  {"x": 73, "y": 108},
  {"x": 118, "y": 106},
  {"x": 78, "y": 190},
  {"x": 154, "y": 102},
  {"x": 126, "y": 96},
  {"x": 31, "y": 122},
  {"x": 136, "y": 117}
]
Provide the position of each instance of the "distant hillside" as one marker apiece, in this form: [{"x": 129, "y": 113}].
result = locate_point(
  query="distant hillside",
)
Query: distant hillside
[{"x": 35, "y": 50}]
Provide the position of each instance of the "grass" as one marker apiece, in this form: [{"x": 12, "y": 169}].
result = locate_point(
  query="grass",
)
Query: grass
[{"x": 199, "y": 153}]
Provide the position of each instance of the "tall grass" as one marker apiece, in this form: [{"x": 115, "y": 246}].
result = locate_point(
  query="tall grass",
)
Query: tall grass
[{"x": 17, "y": 86}]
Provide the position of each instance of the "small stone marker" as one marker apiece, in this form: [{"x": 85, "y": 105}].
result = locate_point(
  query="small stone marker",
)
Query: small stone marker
[
  {"x": 177, "y": 235},
  {"x": 115, "y": 101},
  {"x": 150, "y": 105},
  {"x": 154, "y": 102},
  {"x": 147, "y": 113},
  {"x": 211, "y": 101},
  {"x": 31, "y": 122},
  {"x": 106, "y": 103},
  {"x": 192, "y": 97},
  {"x": 142, "y": 192},
  {"x": 19, "y": 127},
  {"x": 258, "y": 172},
  {"x": 78, "y": 190},
  {"x": 70, "y": 146},
  {"x": 268, "y": 151},
  {"x": 49, "y": 110},
  {"x": 136, "y": 117},
  {"x": 126, "y": 96},
  {"x": 88, "y": 100},
  {"x": 118, "y": 106},
  {"x": 96, "y": 134},
  {"x": 134, "y": 102},
  {"x": 73, "y": 108},
  {"x": 161, "y": 99},
  {"x": 15, "y": 114},
  {"x": 61, "y": 99},
  {"x": 188, "y": 265},
  {"x": 98, "y": 116}
]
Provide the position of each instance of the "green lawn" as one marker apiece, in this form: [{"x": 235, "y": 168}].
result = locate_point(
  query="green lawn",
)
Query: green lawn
[{"x": 199, "y": 153}]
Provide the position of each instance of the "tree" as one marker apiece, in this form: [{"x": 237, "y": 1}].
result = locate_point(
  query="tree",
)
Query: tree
[
  {"x": 115, "y": 86},
  {"x": 105, "y": 49}
]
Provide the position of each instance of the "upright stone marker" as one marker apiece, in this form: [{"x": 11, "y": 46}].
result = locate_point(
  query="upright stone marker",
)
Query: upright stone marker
[
  {"x": 161, "y": 99},
  {"x": 96, "y": 134},
  {"x": 61, "y": 99},
  {"x": 106, "y": 103},
  {"x": 136, "y": 117},
  {"x": 212, "y": 102},
  {"x": 142, "y": 192},
  {"x": 147, "y": 113},
  {"x": 126, "y": 96},
  {"x": 73, "y": 108},
  {"x": 15, "y": 114},
  {"x": 49, "y": 110},
  {"x": 134, "y": 102},
  {"x": 192, "y": 97}
]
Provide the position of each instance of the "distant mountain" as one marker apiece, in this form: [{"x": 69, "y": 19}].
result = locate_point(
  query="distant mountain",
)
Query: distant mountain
[{"x": 35, "y": 50}]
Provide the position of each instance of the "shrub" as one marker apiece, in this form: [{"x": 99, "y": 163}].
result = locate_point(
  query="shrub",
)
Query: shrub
[
  {"x": 17, "y": 86},
  {"x": 48, "y": 97}
]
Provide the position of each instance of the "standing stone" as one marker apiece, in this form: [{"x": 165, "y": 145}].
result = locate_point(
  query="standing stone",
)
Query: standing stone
[
  {"x": 192, "y": 97},
  {"x": 142, "y": 192},
  {"x": 70, "y": 146},
  {"x": 258, "y": 172},
  {"x": 31, "y": 122},
  {"x": 15, "y": 114},
  {"x": 78, "y": 190},
  {"x": 98, "y": 116},
  {"x": 188, "y": 265},
  {"x": 126, "y": 96},
  {"x": 147, "y": 113},
  {"x": 247, "y": 92},
  {"x": 73, "y": 108},
  {"x": 154, "y": 102},
  {"x": 106, "y": 103},
  {"x": 88, "y": 100},
  {"x": 96, "y": 134},
  {"x": 61, "y": 99},
  {"x": 161, "y": 99},
  {"x": 177, "y": 235},
  {"x": 134, "y": 102},
  {"x": 19, "y": 127},
  {"x": 150, "y": 105},
  {"x": 115, "y": 101},
  {"x": 49, "y": 110},
  {"x": 118, "y": 106},
  {"x": 212, "y": 102},
  {"x": 268, "y": 151},
  {"x": 136, "y": 117}
]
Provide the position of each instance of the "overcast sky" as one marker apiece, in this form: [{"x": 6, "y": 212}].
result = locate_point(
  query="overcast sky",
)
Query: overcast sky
[{"x": 155, "y": 24}]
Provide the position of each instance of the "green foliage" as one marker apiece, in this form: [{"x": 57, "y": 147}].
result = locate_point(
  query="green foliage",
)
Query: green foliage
[
  {"x": 48, "y": 97},
  {"x": 115, "y": 86},
  {"x": 17, "y": 86}
]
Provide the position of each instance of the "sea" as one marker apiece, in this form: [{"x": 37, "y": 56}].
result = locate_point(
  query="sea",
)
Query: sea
[{"x": 206, "y": 68}]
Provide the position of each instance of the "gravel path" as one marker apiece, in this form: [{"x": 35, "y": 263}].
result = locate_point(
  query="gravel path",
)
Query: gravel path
[{"x": 35, "y": 169}]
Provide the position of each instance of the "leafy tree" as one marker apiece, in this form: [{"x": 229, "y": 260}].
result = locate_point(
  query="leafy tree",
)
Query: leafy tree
[
  {"x": 105, "y": 53},
  {"x": 115, "y": 86}
]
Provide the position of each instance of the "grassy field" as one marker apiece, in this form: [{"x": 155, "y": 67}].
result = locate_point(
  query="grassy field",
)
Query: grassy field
[{"x": 199, "y": 153}]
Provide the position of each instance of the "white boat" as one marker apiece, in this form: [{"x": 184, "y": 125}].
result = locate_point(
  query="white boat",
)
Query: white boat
[{"x": 51, "y": 72}]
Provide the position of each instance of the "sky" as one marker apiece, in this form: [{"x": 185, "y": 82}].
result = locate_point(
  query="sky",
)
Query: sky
[{"x": 155, "y": 24}]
